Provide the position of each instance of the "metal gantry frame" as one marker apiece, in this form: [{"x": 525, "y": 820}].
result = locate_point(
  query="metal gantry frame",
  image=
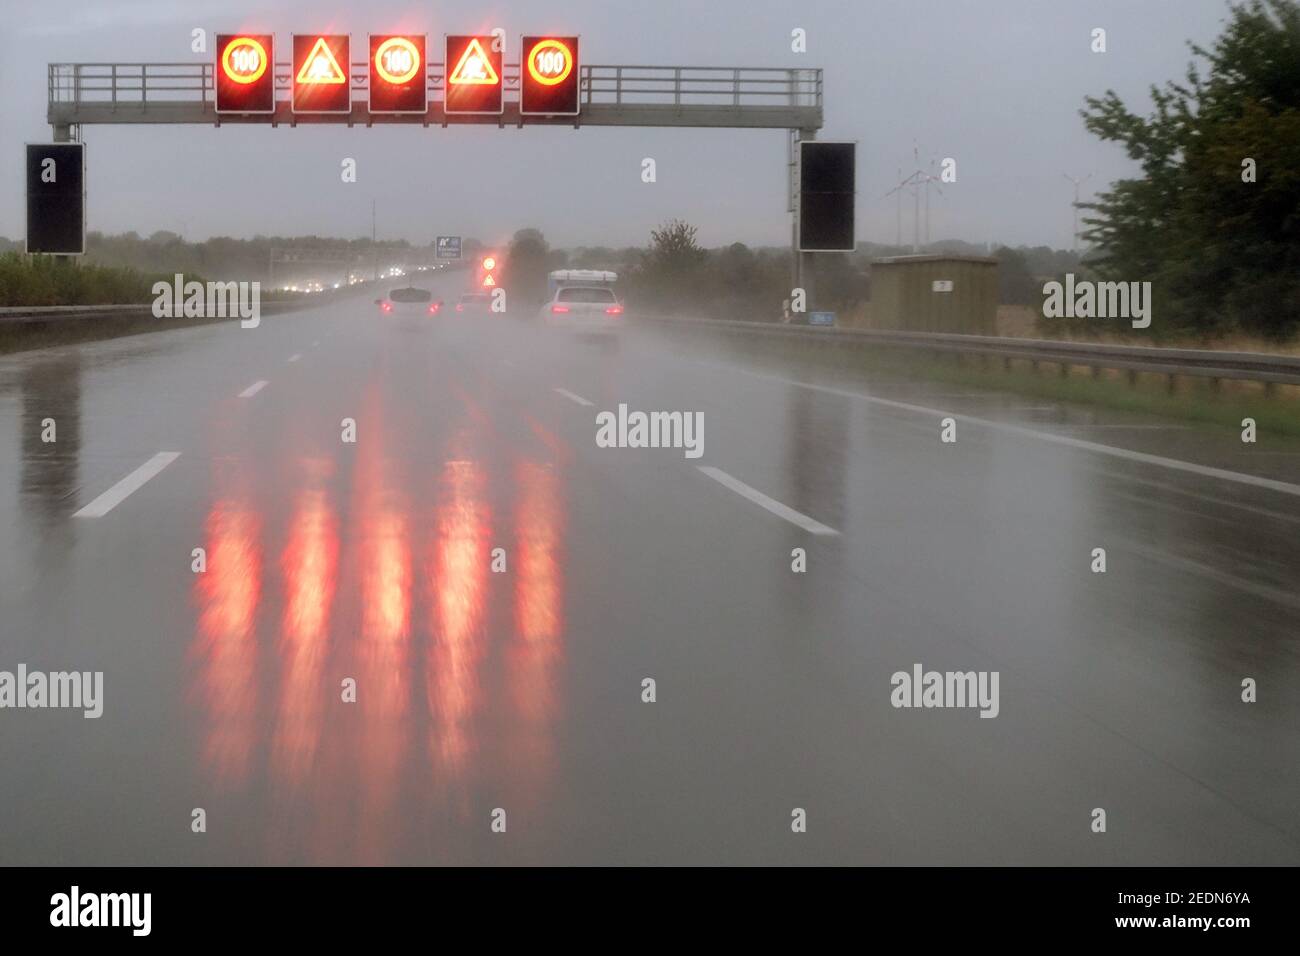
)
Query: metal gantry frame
[
  {"x": 700, "y": 96},
  {"x": 620, "y": 95}
]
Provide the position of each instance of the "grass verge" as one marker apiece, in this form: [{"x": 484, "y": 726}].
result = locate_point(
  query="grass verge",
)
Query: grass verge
[
  {"x": 1276, "y": 411},
  {"x": 25, "y": 336}
]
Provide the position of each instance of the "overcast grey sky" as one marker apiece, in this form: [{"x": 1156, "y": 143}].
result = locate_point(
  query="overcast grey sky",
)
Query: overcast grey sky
[{"x": 996, "y": 84}]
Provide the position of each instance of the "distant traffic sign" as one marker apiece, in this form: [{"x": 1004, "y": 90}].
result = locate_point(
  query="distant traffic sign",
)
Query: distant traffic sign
[
  {"x": 548, "y": 76},
  {"x": 245, "y": 73},
  {"x": 447, "y": 247},
  {"x": 397, "y": 74},
  {"x": 473, "y": 82},
  {"x": 827, "y": 192},
  {"x": 320, "y": 74},
  {"x": 56, "y": 198}
]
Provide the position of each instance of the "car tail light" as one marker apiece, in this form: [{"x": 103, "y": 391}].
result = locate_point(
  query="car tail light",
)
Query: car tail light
[
  {"x": 614, "y": 310},
  {"x": 557, "y": 309},
  {"x": 433, "y": 309},
  {"x": 387, "y": 307},
  {"x": 459, "y": 307}
]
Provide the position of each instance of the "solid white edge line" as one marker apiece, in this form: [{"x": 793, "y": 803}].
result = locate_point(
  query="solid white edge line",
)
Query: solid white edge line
[
  {"x": 1129, "y": 455},
  {"x": 1147, "y": 459},
  {"x": 573, "y": 398},
  {"x": 763, "y": 501},
  {"x": 253, "y": 389},
  {"x": 128, "y": 485}
]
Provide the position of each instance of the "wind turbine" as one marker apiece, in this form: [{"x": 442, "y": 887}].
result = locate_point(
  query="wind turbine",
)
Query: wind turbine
[
  {"x": 1078, "y": 181},
  {"x": 915, "y": 182}
]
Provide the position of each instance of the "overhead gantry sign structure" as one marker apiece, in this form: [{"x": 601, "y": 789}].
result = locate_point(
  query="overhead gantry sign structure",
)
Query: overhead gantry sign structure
[
  {"x": 475, "y": 81},
  {"x": 551, "y": 87}
]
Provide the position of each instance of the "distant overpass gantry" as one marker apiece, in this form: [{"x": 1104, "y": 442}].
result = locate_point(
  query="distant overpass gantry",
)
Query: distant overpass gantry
[{"x": 322, "y": 256}]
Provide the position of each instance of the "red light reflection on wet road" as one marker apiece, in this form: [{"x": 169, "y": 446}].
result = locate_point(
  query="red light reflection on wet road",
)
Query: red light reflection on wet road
[
  {"x": 383, "y": 652},
  {"x": 535, "y": 653},
  {"x": 309, "y": 565},
  {"x": 228, "y": 594},
  {"x": 457, "y": 583}
]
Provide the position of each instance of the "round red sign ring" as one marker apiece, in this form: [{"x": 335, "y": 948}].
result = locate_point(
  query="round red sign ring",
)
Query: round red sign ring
[
  {"x": 231, "y": 73},
  {"x": 393, "y": 78},
  {"x": 550, "y": 45}
]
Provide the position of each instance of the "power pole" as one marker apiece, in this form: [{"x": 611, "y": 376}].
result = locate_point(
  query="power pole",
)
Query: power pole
[
  {"x": 801, "y": 263},
  {"x": 898, "y": 226},
  {"x": 374, "y": 250},
  {"x": 792, "y": 189}
]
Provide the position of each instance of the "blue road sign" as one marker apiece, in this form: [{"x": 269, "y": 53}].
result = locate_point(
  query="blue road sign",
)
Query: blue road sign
[{"x": 447, "y": 247}]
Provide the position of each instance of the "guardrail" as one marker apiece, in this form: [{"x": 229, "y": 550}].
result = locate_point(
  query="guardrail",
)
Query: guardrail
[
  {"x": 1202, "y": 363},
  {"x": 702, "y": 85},
  {"x": 49, "y": 313},
  {"x": 1135, "y": 359},
  {"x": 11, "y": 316}
]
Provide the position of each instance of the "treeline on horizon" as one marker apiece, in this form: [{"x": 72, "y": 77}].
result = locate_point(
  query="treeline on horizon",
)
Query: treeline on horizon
[
  {"x": 675, "y": 274},
  {"x": 122, "y": 269},
  {"x": 673, "y": 271},
  {"x": 225, "y": 258},
  {"x": 1213, "y": 222}
]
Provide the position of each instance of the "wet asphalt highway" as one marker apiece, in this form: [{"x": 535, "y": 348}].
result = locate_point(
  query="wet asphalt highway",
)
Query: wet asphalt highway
[{"x": 522, "y": 690}]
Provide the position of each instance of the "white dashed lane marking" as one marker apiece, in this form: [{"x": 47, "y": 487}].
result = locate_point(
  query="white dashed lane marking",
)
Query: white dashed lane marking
[
  {"x": 571, "y": 397},
  {"x": 763, "y": 501},
  {"x": 253, "y": 389},
  {"x": 127, "y": 486}
]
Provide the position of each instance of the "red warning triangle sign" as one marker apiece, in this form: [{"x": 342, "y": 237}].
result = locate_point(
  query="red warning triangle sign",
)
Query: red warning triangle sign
[
  {"x": 474, "y": 68},
  {"x": 320, "y": 67},
  {"x": 489, "y": 282}
]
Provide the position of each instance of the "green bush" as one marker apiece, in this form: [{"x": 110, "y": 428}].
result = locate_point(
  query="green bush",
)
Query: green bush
[
  {"x": 52, "y": 280},
  {"x": 1214, "y": 222}
]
